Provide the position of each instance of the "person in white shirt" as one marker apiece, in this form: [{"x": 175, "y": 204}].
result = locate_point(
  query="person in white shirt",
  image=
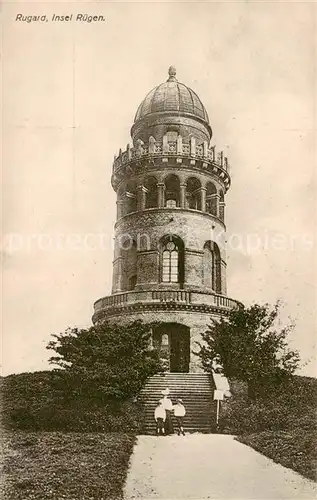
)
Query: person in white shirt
[
  {"x": 160, "y": 417},
  {"x": 168, "y": 406},
  {"x": 179, "y": 412}
]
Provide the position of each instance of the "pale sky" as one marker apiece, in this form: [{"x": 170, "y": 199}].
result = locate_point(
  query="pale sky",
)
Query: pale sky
[{"x": 70, "y": 93}]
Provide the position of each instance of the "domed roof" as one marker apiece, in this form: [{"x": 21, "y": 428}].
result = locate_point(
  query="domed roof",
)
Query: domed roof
[{"x": 172, "y": 96}]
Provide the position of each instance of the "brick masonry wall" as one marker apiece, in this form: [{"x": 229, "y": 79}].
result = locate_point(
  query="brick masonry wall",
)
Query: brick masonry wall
[
  {"x": 148, "y": 268},
  {"x": 147, "y": 228},
  {"x": 194, "y": 228}
]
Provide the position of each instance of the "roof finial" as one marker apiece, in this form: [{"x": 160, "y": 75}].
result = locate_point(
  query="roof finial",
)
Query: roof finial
[{"x": 172, "y": 74}]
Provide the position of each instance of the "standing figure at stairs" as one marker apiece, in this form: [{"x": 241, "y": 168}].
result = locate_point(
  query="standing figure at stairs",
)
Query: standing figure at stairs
[
  {"x": 168, "y": 406},
  {"x": 179, "y": 412},
  {"x": 160, "y": 417}
]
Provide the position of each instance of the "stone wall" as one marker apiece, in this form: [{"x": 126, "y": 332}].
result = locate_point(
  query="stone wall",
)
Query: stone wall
[
  {"x": 147, "y": 268},
  {"x": 197, "y": 322}
]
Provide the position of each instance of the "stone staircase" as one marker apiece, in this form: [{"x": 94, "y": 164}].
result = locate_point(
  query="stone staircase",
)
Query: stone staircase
[{"x": 196, "y": 391}]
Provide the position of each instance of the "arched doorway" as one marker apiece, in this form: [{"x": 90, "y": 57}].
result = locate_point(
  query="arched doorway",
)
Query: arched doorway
[{"x": 173, "y": 342}]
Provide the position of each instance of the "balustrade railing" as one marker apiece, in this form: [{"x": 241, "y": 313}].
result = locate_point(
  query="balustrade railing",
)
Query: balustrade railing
[
  {"x": 171, "y": 295},
  {"x": 115, "y": 300},
  {"x": 221, "y": 301},
  {"x": 179, "y": 296},
  {"x": 164, "y": 147}
]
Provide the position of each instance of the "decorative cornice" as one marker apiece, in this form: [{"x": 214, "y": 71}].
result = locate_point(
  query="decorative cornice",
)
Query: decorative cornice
[
  {"x": 141, "y": 252},
  {"x": 194, "y": 252},
  {"x": 123, "y": 309},
  {"x": 162, "y": 300},
  {"x": 201, "y": 157}
]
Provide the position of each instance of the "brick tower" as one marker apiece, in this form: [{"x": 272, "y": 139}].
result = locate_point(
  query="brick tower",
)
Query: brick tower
[{"x": 169, "y": 258}]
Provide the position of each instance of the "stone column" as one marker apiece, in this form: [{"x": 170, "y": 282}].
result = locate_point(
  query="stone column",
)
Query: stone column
[
  {"x": 182, "y": 195},
  {"x": 165, "y": 146},
  {"x": 161, "y": 189},
  {"x": 120, "y": 209},
  {"x": 203, "y": 191},
  {"x": 141, "y": 197}
]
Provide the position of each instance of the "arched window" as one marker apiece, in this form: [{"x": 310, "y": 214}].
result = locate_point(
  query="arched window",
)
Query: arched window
[
  {"x": 172, "y": 260},
  {"x": 172, "y": 191},
  {"x": 193, "y": 193},
  {"x": 151, "y": 192},
  {"x": 212, "y": 266},
  {"x": 211, "y": 199},
  {"x": 170, "y": 263},
  {"x": 208, "y": 266}
]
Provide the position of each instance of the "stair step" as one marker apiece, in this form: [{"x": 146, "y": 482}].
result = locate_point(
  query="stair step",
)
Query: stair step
[
  {"x": 178, "y": 387},
  {"x": 179, "y": 384},
  {"x": 196, "y": 390},
  {"x": 189, "y": 390}
]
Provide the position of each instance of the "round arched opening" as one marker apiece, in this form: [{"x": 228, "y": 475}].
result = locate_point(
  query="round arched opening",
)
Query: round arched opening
[{"x": 193, "y": 194}]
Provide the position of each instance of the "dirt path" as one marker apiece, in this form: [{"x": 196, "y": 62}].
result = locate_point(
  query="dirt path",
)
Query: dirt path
[{"x": 201, "y": 467}]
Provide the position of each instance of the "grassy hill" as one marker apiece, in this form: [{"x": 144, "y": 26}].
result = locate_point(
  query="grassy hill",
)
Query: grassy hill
[
  {"x": 58, "y": 448},
  {"x": 283, "y": 426},
  {"x": 69, "y": 466}
]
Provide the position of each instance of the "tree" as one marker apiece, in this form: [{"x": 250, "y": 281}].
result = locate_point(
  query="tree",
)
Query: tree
[
  {"x": 104, "y": 362},
  {"x": 250, "y": 346}
]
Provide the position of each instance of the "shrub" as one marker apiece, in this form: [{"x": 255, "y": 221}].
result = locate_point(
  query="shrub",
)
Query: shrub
[
  {"x": 102, "y": 369},
  {"x": 289, "y": 407},
  {"x": 30, "y": 401},
  {"x": 104, "y": 362},
  {"x": 251, "y": 346}
]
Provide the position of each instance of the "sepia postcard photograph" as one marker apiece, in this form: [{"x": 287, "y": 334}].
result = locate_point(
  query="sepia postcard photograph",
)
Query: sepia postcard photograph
[{"x": 158, "y": 243}]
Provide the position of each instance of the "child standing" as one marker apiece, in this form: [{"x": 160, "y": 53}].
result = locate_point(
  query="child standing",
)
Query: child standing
[
  {"x": 180, "y": 412},
  {"x": 160, "y": 417},
  {"x": 168, "y": 406}
]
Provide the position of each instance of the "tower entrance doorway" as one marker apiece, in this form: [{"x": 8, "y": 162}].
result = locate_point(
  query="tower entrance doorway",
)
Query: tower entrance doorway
[{"x": 173, "y": 342}]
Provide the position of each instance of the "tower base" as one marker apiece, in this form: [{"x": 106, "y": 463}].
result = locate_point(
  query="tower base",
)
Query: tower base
[{"x": 180, "y": 322}]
